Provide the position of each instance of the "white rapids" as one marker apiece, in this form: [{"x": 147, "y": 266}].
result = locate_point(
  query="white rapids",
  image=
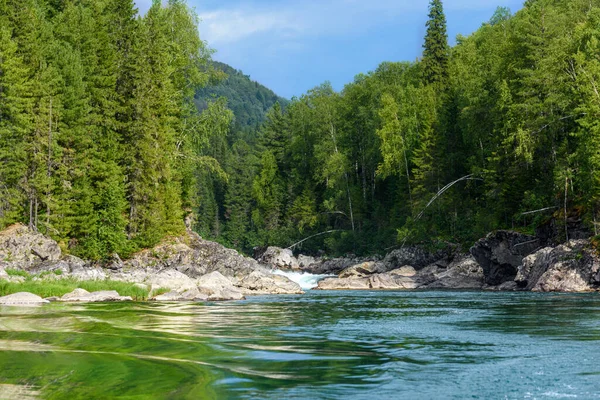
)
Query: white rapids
[{"x": 305, "y": 280}]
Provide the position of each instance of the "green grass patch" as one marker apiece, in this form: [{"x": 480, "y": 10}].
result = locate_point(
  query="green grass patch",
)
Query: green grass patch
[
  {"x": 160, "y": 291},
  {"x": 59, "y": 287},
  {"x": 17, "y": 272}
]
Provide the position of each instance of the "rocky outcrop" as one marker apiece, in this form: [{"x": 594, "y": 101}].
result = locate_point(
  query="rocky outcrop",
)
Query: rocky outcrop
[
  {"x": 82, "y": 295},
  {"x": 22, "y": 299},
  {"x": 414, "y": 256},
  {"x": 217, "y": 287},
  {"x": 385, "y": 281},
  {"x": 279, "y": 258},
  {"x": 332, "y": 266},
  {"x": 195, "y": 257},
  {"x": 571, "y": 267},
  {"x": 500, "y": 254},
  {"x": 362, "y": 270},
  {"x": 23, "y": 248},
  {"x": 462, "y": 273},
  {"x": 259, "y": 282}
]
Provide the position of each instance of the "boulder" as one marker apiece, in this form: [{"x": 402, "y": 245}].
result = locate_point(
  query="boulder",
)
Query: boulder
[
  {"x": 332, "y": 266},
  {"x": 24, "y": 248},
  {"x": 170, "y": 279},
  {"x": 500, "y": 253},
  {"x": 83, "y": 271},
  {"x": 279, "y": 258},
  {"x": 217, "y": 287},
  {"x": 407, "y": 271},
  {"x": 67, "y": 265},
  {"x": 22, "y": 298},
  {"x": 385, "y": 281},
  {"x": 389, "y": 281},
  {"x": 82, "y": 295},
  {"x": 3, "y": 274},
  {"x": 414, "y": 256},
  {"x": 306, "y": 262},
  {"x": 571, "y": 267},
  {"x": 363, "y": 270},
  {"x": 462, "y": 273},
  {"x": 259, "y": 282},
  {"x": 344, "y": 284}
]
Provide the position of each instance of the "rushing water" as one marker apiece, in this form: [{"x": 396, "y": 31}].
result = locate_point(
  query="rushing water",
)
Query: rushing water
[
  {"x": 322, "y": 345},
  {"x": 305, "y": 280}
]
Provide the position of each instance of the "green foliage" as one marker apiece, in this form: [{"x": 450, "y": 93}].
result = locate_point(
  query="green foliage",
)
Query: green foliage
[
  {"x": 248, "y": 100},
  {"x": 100, "y": 142},
  {"x": 60, "y": 287}
]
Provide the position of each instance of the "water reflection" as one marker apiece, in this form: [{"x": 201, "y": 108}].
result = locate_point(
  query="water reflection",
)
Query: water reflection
[{"x": 321, "y": 345}]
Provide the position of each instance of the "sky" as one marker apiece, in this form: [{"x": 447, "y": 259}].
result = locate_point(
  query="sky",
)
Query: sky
[{"x": 291, "y": 46}]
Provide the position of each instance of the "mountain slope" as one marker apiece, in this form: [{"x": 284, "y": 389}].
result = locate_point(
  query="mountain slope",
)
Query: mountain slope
[{"x": 248, "y": 99}]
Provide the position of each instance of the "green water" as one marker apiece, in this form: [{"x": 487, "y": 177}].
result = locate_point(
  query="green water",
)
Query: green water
[{"x": 329, "y": 345}]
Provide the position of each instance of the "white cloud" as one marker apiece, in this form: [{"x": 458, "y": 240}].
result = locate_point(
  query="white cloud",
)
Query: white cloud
[{"x": 292, "y": 19}]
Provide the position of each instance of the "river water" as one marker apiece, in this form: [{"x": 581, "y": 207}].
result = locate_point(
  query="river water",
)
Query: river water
[{"x": 322, "y": 345}]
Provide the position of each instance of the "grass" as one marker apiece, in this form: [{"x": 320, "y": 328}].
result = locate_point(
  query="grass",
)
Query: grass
[
  {"x": 59, "y": 287},
  {"x": 17, "y": 272},
  {"x": 160, "y": 291}
]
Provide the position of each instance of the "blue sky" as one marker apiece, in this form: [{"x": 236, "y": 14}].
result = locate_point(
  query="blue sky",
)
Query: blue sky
[{"x": 292, "y": 46}]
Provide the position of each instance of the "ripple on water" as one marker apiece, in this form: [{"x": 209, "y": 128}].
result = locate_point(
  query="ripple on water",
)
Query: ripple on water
[{"x": 321, "y": 345}]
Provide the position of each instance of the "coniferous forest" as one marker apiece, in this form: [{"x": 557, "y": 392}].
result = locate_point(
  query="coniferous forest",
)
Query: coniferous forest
[{"x": 106, "y": 145}]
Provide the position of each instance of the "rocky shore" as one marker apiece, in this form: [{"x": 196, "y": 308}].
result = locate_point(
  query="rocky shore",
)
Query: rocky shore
[
  {"x": 189, "y": 268},
  {"x": 503, "y": 260}
]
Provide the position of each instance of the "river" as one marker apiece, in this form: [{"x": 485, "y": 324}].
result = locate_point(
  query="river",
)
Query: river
[{"x": 322, "y": 345}]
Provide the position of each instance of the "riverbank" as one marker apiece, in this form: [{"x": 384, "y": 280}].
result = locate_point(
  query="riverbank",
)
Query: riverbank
[
  {"x": 189, "y": 268},
  {"x": 186, "y": 268}
]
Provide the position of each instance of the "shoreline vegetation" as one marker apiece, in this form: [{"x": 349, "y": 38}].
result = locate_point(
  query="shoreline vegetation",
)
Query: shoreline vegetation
[{"x": 111, "y": 158}]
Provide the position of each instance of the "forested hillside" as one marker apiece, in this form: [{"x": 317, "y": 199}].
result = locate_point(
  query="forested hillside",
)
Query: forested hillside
[
  {"x": 509, "y": 115},
  {"x": 248, "y": 99},
  {"x": 100, "y": 142},
  {"x": 102, "y": 145}
]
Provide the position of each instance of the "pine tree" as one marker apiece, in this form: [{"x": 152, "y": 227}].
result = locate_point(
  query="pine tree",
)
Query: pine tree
[{"x": 435, "y": 48}]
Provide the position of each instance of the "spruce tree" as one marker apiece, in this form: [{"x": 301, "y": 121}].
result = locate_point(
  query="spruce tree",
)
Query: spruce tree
[{"x": 435, "y": 48}]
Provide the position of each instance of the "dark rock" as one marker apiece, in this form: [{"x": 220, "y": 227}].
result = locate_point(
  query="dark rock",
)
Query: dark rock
[
  {"x": 462, "y": 273},
  {"x": 571, "y": 267},
  {"x": 500, "y": 253},
  {"x": 416, "y": 257}
]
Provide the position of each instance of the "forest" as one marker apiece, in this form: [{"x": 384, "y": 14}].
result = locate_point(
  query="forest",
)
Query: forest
[{"x": 112, "y": 139}]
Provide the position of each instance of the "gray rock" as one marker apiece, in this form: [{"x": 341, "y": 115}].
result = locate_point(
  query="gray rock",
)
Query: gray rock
[
  {"x": 332, "y": 266},
  {"x": 23, "y": 248},
  {"x": 462, "y": 273},
  {"x": 389, "y": 281},
  {"x": 260, "y": 282},
  {"x": 500, "y": 253},
  {"x": 363, "y": 270},
  {"x": 22, "y": 298},
  {"x": 170, "y": 279},
  {"x": 82, "y": 295},
  {"x": 406, "y": 270},
  {"x": 385, "y": 281},
  {"x": 344, "y": 284},
  {"x": 571, "y": 267},
  {"x": 3, "y": 274},
  {"x": 306, "y": 262},
  {"x": 218, "y": 288},
  {"x": 279, "y": 258},
  {"x": 414, "y": 256}
]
